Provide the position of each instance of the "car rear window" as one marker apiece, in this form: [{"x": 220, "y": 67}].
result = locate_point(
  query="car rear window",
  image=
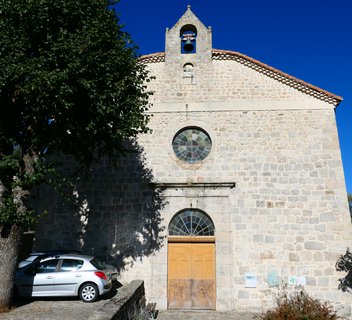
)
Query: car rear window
[
  {"x": 98, "y": 264},
  {"x": 71, "y": 265}
]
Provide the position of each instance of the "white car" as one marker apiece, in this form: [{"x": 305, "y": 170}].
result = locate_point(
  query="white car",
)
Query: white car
[{"x": 64, "y": 275}]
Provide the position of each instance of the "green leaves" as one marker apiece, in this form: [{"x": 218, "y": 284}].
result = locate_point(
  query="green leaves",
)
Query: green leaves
[
  {"x": 10, "y": 214},
  {"x": 69, "y": 83},
  {"x": 71, "y": 62}
]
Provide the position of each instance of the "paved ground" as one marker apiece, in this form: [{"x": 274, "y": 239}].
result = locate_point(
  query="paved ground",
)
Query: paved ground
[
  {"x": 202, "y": 315},
  {"x": 74, "y": 309},
  {"x": 55, "y": 308},
  {"x": 52, "y": 309}
]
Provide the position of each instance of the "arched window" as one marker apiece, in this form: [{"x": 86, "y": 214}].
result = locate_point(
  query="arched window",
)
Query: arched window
[
  {"x": 191, "y": 222},
  {"x": 188, "y": 70},
  {"x": 188, "y": 74},
  {"x": 188, "y": 34}
]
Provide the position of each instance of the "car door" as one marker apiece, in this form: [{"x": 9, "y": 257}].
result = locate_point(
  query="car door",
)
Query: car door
[
  {"x": 68, "y": 278},
  {"x": 44, "y": 278}
]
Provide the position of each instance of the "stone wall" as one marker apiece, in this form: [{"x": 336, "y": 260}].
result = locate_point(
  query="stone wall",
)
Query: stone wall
[
  {"x": 217, "y": 81},
  {"x": 130, "y": 302},
  {"x": 287, "y": 213},
  {"x": 114, "y": 213}
]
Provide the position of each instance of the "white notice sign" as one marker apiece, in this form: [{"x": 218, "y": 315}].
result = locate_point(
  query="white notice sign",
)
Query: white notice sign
[
  {"x": 301, "y": 280},
  {"x": 250, "y": 280}
]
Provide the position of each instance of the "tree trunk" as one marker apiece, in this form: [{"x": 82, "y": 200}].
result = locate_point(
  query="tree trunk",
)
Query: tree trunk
[{"x": 10, "y": 240}]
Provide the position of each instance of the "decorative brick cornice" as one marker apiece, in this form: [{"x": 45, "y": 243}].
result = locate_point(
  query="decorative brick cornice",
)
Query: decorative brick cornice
[
  {"x": 153, "y": 58},
  {"x": 263, "y": 68}
]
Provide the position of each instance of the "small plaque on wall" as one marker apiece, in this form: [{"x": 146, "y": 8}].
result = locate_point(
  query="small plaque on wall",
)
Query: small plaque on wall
[
  {"x": 250, "y": 280},
  {"x": 292, "y": 280},
  {"x": 273, "y": 279},
  {"x": 301, "y": 280}
]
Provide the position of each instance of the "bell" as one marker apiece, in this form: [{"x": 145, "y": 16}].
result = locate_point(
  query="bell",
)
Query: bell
[{"x": 188, "y": 46}]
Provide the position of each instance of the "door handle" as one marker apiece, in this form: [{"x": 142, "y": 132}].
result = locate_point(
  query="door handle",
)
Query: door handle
[
  {"x": 50, "y": 277},
  {"x": 78, "y": 275}
]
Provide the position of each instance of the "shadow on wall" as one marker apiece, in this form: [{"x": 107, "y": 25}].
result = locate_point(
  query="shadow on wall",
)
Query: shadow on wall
[
  {"x": 115, "y": 214},
  {"x": 344, "y": 263}
]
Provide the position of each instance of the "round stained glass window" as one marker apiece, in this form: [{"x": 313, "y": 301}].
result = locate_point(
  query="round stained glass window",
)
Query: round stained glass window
[
  {"x": 191, "y": 223},
  {"x": 191, "y": 145}
]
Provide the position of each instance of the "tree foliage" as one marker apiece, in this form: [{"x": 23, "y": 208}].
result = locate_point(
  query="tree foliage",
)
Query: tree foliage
[
  {"x": 69, "y": 83},
  {"x": 344, "y": 263}
]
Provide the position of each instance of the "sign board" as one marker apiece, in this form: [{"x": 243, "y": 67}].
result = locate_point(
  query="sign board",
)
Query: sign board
[
  {"x": 292, "y": 280},
  {"x": 273, "y": 279},
  {"x": 301, "y": 280},
  {"x": 250, "y": 280}
]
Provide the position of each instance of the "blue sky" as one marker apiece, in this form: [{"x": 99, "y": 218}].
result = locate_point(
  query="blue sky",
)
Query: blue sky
[{"x": 308, "y": 39}]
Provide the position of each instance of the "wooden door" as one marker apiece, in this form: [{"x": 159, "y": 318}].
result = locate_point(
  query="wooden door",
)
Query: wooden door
[{"x": 191, "y": 276}]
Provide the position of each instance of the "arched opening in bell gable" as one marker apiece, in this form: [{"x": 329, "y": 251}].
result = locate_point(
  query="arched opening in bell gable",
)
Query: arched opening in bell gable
[{"x": 188, "y": 36}]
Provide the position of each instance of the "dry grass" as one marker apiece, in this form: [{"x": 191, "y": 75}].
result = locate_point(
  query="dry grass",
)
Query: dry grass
[
  {"x": 6, "y": 309},
  {"x": 300, "y": 306}
]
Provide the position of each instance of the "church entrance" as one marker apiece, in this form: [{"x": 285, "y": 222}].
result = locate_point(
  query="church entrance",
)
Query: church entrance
[{"x": 191, "y": 262}]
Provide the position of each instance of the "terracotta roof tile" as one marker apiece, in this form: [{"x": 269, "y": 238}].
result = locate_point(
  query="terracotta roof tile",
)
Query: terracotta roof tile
[{"x": 153, "y": 58}]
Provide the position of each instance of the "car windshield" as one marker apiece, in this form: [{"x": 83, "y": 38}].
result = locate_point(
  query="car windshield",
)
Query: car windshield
[{"x": 98, "y": 264}]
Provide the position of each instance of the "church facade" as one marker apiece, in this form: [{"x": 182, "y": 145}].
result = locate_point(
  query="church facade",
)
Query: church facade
[{"x": 238, "y": 191}]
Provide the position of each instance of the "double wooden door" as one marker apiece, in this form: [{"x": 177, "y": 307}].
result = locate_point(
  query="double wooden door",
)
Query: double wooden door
[{"x": 191, "y": 276}]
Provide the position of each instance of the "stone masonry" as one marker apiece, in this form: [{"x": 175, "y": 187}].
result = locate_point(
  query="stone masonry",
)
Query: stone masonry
[{"x": 273, "y": 183}]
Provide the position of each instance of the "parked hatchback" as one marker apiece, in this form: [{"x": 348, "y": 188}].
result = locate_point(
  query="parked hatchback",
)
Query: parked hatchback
[{"x": 64, "y": 275}]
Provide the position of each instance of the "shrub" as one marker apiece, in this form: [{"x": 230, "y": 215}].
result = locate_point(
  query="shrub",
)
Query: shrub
[{"x": 299, "y": 306}]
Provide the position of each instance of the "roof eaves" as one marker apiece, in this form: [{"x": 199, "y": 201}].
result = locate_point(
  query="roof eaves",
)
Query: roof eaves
[{"x": 279, "y": 75}]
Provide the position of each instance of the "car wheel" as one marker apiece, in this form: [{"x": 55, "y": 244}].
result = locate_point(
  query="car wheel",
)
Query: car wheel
[{"x": 88, "y": 292}]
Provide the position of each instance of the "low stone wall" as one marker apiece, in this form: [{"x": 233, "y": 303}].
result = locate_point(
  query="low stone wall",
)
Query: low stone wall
[{"x": 129, "y": 301}]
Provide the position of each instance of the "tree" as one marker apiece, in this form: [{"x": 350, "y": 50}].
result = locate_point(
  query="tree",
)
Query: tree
[{"x": 70, "y": 83}]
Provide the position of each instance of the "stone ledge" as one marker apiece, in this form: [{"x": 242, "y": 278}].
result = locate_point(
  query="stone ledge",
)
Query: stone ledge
[{"x": 130, "y": 298}]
